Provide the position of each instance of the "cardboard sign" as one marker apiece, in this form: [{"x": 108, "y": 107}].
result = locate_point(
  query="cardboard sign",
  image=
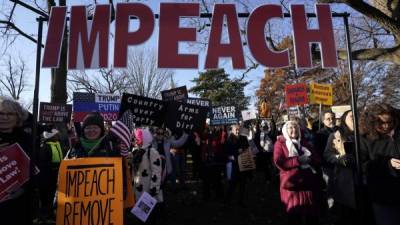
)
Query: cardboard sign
[
  {"x": 321, "y": 94},
  {"x": 54, "y": 113},
  {"x": 106, "y": 104},
  {"x": 144, "y": 206},
  {"x": 185, "y": 116},
  {"x": 90, "y": 191},
  {"x": 296, "y": 94},
  {"x": 144, "y": 111},
  {"x": 223, "y": 115},
  {"x": 246, "y": 161},
  {"x": 199, "y": 101},
  {"x": 249, "y": 115},
  {"x": 14, "y": 169},
  {"x": 179, "y": 94}
]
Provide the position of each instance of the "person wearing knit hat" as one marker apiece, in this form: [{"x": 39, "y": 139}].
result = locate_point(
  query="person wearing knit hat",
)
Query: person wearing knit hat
[
  {"x": 89, "y": 124},
  {"x": 93, "y": 141}
]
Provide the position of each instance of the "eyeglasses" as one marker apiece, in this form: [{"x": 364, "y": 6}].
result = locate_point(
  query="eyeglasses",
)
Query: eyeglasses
[{"x": 8, "y": 115}]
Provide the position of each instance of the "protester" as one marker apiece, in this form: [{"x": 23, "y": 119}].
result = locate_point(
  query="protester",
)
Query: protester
[
  {"x": 163, "y": 144},
  {"x": 178, "y": 159},
  {"x": 300, "y": 176},
  {"x": 17, "y": 208},
  {"x": 341, "y": 186},
  {"x": 93, "y": 142},
  {"x": 147, "y": 169},
  {"x": 213, "y": 162},
  {"x": 382, "y": 163},
  {"x": 263, "y": 138},
  {"x": 50, "y": 156},
  {"x": 329, "y": 126},
  {"x": 235, "y": 145}
]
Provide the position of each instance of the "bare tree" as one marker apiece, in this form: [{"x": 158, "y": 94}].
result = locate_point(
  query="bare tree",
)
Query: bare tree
[
  {"x": 13, "y": 77},
  {"x": 143, "y": 76},
  {"x": 102, "y": 81}
]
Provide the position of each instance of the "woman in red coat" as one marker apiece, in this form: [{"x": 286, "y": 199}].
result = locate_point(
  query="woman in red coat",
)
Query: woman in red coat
[{"x": 300, "y": 176}]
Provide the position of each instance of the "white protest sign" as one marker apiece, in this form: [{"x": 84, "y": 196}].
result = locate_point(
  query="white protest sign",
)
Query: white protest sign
[
  {"x": 144, "y": 206},
  {"x": 249, "y": 115}
]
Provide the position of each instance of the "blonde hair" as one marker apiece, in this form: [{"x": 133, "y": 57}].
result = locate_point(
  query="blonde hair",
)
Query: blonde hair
[{"x": 15, "y": 107}]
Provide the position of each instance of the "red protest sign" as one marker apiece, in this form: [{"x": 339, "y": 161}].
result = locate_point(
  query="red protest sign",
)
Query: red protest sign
[
  {"x": 296, "y": 94},
  {"x": 14, "y": 169}
]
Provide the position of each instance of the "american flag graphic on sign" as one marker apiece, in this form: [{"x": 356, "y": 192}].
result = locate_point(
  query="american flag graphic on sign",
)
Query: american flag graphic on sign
[{"x": 106, "y": 104}]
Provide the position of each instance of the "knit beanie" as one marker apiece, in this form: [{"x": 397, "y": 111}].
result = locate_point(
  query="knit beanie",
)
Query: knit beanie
[{"x": 93, "y": 119}]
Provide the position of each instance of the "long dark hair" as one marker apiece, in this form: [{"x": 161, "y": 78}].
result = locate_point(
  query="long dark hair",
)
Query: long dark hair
[
  {"x": 372, "y": 118},
  {"x": 343, "y": 128}
]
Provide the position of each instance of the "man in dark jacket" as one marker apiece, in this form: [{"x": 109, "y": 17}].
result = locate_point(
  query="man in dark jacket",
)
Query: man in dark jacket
[{"x": 329, "y": 126}]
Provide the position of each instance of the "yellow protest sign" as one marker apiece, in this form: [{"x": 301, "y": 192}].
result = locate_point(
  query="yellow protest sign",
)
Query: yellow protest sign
[
  {"x": 321, "y": 94},
  {"x": 90, "y": 192}
]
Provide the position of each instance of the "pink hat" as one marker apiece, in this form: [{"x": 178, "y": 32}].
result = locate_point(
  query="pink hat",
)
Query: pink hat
[{"x": 139, "y": 136}]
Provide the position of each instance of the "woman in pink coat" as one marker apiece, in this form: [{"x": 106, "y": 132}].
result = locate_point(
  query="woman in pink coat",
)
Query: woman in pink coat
[{"x": 300, "y": 176}]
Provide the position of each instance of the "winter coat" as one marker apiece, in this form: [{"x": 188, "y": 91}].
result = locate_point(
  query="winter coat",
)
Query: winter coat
[
  {"x": 342, "y": 183},
  {"x": 172, "y": 143},
  {"x": 321, "y": 139},
  {"x": 304, "y": 199},
  {"x": 383, "y": 181},
  {"x": 232, "y": 146},
  {"x": 147, "y": 173},
  {"x": 106, "y": 148}
]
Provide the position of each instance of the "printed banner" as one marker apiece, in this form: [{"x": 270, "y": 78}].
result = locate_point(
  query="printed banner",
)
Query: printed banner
[
  {"x": 339, "y": 110},
  {"x": 185, "y": 116},
  {"x": 106, "y": 104},
  {"x": 199, "y": 101},
  {"x": 179, "y": 94},
  {"x": 90, "y": 191},
  {"x": 223, "y": 115},
  {"x": 14, "y": 169},
  {"x": 54, "y": 113},
  {"x": 296, "y": 94},
  {"x": 249, "y": 115},
  {"x": 321, "y": 94},
  {"x": 143, "y": 110}
]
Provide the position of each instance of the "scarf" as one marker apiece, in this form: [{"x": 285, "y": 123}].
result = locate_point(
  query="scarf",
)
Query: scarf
[
  {"x": 290, "y": 145},
  {"x": 88, "y": 145}
]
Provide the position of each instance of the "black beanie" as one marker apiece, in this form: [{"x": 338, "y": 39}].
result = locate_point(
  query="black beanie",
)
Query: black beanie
[{"x": 93, "y": 119}]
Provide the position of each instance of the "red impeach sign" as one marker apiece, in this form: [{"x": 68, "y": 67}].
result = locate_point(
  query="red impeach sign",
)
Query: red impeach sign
[
  {"x": 296, "y": 94},
  {"x": 14, "y": 169},
  {"x": 88, "y": 45}
]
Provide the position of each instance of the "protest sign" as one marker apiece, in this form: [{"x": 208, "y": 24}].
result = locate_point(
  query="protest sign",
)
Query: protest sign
[
  {"x": 54, "y": 113},
  {"x": 340, "y": 109},
  {"x": 199, "y": 101},
  {"x": 223, "y": 115},
  {"x": 90, "y": 191},
  {"x": 246, "y": 161},
  {"x": 249, "y": 115},
  {"x": 293, "y": 112},
  {"x": 144, "y": 206},
  {"x": 143, "y": 110},
  {"x": 14, "y": 169},
  {"x": 185, "y": 116},
  {"x": 296, "y": 94},
  {"x": 179, "y": 94},
  {"x": 321, "y": 94},
  {"x": 106, "y": 104}
]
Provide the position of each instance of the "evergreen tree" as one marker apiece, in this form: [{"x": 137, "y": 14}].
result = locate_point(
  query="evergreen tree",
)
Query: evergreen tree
[{"x": 216, "y": 86}]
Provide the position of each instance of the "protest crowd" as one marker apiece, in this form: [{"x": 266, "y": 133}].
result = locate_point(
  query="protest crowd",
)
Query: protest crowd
[{"x": 318, "y": 178}]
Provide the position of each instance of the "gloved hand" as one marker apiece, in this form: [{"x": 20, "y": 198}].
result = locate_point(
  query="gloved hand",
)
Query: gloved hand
[
  {"x": 304, "y": 159},
  {"x": 346, "y": 160}
]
